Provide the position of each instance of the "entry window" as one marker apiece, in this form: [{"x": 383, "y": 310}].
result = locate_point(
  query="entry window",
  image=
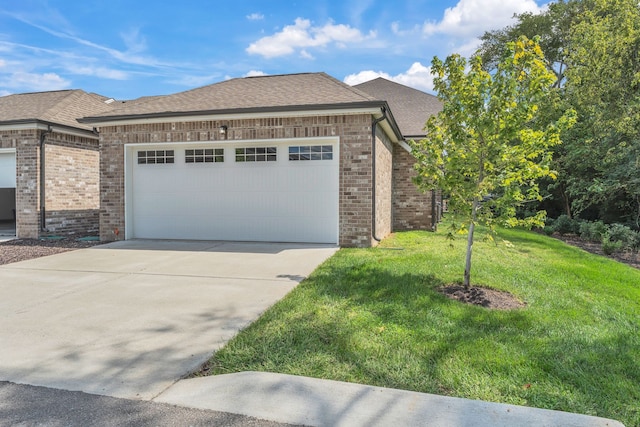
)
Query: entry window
[
  {"x": 256, "y": 154},
  {"x": 153, "y": 157},
  {"x": 311, "y": 152},
  {"x": 204, "y": 155}
]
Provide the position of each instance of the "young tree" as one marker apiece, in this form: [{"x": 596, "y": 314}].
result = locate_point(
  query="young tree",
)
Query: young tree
[{"x": 486, "y": 149}]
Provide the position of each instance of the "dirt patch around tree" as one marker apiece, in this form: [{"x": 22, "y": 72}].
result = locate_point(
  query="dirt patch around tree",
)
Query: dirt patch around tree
[{"x": 484, "y": 297}]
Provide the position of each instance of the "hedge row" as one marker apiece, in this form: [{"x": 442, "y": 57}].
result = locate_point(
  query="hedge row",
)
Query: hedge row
[{"x": 613, "y": 237}]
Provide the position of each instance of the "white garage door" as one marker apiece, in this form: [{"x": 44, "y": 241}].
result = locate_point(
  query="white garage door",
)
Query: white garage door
[
  {"x": 7, "y": 169},
  {"x": 267, "y": 191}
]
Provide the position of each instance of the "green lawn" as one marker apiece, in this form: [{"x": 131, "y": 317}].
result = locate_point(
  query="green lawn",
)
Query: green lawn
[{"x": 373, "y": 316}]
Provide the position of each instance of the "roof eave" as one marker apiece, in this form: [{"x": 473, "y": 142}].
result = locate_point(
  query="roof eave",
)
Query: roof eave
[
  {"x": 386, "y": 110},
  {"x": 39, "y": 124},
  {"x": 234, "y": 111}
]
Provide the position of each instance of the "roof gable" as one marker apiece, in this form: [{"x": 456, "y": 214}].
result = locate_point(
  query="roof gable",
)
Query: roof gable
[
  {"x": 411, "y": 108},
  {"x": 62, "y": 107},
  {"x": 289, "y": 91}
]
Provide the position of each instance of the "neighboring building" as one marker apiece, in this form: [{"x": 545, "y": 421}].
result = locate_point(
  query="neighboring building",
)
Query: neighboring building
[
  {"x": 55, "y": 191},
  {"x": 290, "y": 158},
  {"x": 412, "y": 208}
]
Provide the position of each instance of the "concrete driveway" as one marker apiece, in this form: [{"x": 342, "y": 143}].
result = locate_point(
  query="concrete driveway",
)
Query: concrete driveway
[{"x": 129, "y": 319}]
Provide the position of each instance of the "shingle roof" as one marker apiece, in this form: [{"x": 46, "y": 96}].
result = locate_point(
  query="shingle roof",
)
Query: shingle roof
[
  {"x": 289, "y": 91},
  {"x": 62, "y": 107},
  {"x": 410, "y": 107}
]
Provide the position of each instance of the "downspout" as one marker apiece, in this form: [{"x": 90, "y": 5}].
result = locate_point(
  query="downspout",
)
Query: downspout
[
  {"x": 374, "y": 123},
  {"x": 43, "y": 223}
]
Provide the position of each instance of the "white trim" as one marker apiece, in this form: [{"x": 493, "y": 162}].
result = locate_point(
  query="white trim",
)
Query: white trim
[
  {"x": 406, "y": 146},
  {"x": 128, "y": 191},
  {"x": 129, "y": 159},
  {"x": 387, "y": 129},
  {"x": 311, "y": 139},
  {"x": 24, "y": 126},
  {"x": 7, "y": 150},
  {"x": 235, "y": 116},
  {"x": 83, "y": 133}
]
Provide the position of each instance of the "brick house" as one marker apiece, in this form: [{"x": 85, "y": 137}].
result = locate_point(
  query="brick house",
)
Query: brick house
[
  {"x": 49, "y": 162},
  {"x": 293, "y": 158},
  {"x": 412, "y": 210}
]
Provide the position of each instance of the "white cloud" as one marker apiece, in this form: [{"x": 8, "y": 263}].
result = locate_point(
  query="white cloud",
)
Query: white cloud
[
  {"x": 254, "y": 73},
  {"x": 193, "y": 81},
  {"x": 255, "y": 17},
  {"x": 365, "y": 76},
  {"x": 31, "y": 82},
  {"x": 134, "y": 41},
  {"x": 468, "y": 48},
  {"x": 102, "y": 72},
  {"x": 136, "y": 44},
  {"x": 474, "y": 17},
  {"x": 417, "y": 76},
  {"x": 2, "y": 63},
  {"x": 306, "y": 55},
  {"x": 395, "y": 28},
  {"x": 302, "y": 35},
  {"x": 400, "y": 29}
]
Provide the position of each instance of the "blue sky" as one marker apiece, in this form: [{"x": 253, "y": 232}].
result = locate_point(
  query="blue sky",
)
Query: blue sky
[{"x": 130, "y": 48}]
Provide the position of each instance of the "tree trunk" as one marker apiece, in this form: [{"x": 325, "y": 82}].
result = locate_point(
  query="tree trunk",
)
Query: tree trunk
[
  {"x": 565, "y": 199},
  {"x": 638, "y": 213},
  {"x": 467, "y": 267}
]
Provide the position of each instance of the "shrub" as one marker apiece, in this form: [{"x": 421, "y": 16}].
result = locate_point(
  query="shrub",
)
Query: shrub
[
  {"x": 592, "y": 231},
  {"x": 635, "y": 243},
  {"x": 621, "y": 233},
  {"x": 610, "y": 247},
  {"x": 565, "y": 225},
  {"x": 548, "y": 230}
]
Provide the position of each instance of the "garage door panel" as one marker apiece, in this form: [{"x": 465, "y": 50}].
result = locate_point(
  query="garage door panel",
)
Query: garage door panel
[
  {"x": 8, "y": 170},
  {"x": 290, "y": 201}
]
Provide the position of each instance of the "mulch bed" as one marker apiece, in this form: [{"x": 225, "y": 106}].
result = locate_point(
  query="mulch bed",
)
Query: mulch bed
[
  {"x": 484, "y": 297},
  {"x": 24, "y": 249},
  {"x": 628, "y": 257}
]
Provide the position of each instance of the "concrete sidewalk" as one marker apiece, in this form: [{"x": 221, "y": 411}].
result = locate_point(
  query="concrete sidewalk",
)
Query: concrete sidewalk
[{"x": 308, "y": 401}]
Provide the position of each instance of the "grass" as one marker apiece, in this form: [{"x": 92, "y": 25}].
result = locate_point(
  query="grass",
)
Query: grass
[{"x": 374, "y": 316}]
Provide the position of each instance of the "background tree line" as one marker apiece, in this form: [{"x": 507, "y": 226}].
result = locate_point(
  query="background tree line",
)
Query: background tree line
[{"x": 592, "y": 47}]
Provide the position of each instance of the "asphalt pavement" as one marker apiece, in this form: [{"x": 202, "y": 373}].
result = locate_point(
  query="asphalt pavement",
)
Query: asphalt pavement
[{"x": 31, "y": 406}]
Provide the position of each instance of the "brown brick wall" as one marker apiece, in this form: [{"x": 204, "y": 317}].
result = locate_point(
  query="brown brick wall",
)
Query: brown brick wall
[
  {"x": 384, "y": 183},
  {"x": 355, "y": 161},
  {"x": 27, "y": 190},
  {"x": 411, "y": 206},
  {"x": 72, "y": 178},
  {"x": 72, "y": 184},
  {"x": 70, "y": 221}
]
